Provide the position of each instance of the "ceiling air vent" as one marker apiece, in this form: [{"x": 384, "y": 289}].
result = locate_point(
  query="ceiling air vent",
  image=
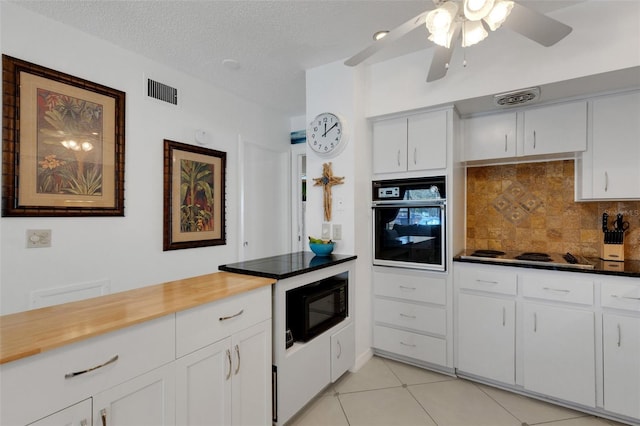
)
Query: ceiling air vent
[
  {"x": 518, "y": 97},
  {"x": 162, "y": 92}
]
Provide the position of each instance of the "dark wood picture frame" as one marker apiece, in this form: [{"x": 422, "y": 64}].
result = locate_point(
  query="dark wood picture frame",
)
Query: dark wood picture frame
[
  {"x": 194, "y": 196},
  {"x": 63, "y": 144}
]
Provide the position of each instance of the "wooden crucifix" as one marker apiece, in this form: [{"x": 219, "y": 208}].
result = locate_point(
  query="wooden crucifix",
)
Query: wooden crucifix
[{"x": 327, "y": 180}]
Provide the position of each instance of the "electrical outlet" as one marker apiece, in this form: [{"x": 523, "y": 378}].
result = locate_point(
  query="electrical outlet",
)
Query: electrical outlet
[
  {"x": 326, "y": 231},
  {"x": 337, "y": 231},
  {"x": 38, "y": 238}
]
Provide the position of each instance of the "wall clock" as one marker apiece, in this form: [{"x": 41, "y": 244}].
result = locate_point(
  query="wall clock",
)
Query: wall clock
[{"x": 326, "y": 134}]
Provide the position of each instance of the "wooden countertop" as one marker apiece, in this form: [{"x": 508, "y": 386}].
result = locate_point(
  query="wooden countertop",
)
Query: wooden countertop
[{"x": 31, "y": 332}]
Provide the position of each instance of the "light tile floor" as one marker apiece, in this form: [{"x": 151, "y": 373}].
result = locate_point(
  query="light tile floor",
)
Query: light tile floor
[{"x": 389, "y": 393}]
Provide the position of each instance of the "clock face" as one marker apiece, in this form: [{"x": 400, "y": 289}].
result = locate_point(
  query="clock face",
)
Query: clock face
[{"x": 325, "y": 135}]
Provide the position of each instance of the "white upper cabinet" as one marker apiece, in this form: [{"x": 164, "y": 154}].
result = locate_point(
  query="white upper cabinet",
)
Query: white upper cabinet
[
  {"x": 416, "y": 142},
  {"x": 490, "y": 136},
  {"x": 555, "y": 129},
  {"x": 610, "y": 169}
]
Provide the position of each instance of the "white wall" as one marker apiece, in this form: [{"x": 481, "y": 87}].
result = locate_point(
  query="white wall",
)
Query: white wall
[
  {"x": 604, "y": 38},
  {"x": 127, "y": 251}
]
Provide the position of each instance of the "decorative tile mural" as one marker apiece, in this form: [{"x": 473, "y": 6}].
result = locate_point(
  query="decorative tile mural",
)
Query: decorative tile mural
[{"x": 531, "y": 207}]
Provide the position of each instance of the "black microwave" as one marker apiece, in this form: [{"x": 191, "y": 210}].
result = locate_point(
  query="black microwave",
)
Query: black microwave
[{"x": 316, "y": 307}]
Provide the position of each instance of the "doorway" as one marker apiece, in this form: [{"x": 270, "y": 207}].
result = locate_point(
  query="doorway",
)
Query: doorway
[{"x": 298, "y": 196}]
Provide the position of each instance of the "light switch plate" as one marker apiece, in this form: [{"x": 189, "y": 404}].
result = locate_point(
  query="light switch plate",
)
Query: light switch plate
[
  {"x": 38, "y": 238},
  {"x": 326, "y": 231},
  {"x": 337, "y": 231}
]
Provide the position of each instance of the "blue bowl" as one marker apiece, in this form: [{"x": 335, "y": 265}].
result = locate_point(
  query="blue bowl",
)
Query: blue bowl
[{"x": 321, "y": 249}]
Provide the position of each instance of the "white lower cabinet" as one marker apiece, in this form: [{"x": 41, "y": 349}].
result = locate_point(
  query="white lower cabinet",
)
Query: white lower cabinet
[
  {"x": 486, "y": 337},
  {"x": 559, "y": 355},
  {"x": 77, "y": 415},
  {"x": 148, "y": 399},
  {"x": 343, "y": 351}
]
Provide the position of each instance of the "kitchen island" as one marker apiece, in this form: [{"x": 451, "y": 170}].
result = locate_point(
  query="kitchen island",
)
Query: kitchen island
[{"x": 303, "y": 367}]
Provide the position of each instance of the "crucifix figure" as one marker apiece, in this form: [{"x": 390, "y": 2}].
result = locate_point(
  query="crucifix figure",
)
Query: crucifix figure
[{"x": 327, "y": 180}]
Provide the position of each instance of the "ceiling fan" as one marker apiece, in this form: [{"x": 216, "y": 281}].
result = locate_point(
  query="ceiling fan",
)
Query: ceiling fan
[{"x": 468, "y": 20}]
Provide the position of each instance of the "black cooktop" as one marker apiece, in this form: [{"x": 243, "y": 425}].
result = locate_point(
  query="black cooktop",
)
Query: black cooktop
[{"x": 286, "y": 265}]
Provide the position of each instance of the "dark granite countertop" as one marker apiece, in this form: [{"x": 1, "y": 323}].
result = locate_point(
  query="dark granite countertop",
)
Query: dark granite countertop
[
  {"x": 628, "y": 268},
  {"x": 286, "y": 265}
]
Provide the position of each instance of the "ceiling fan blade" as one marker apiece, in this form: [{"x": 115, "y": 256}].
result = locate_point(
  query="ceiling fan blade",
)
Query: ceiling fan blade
[
  {"x": 393, "y": 35},
  {"x": 536, "y": 26},
  {"x": 441, "y": 58}
]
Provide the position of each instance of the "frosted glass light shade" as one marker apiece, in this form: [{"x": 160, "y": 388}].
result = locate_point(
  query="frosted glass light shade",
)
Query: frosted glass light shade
[
  {"x": 499, "y": 14},
  {"x": 443, "y": 38},
  {"x": 475, "y": 10},
  {"x": 439, "y": 20},
  {"x": 473, "y": 32}
]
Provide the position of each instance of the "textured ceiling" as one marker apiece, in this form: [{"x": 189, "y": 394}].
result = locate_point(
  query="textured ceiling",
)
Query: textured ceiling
[{"x": 273, "y": 41}]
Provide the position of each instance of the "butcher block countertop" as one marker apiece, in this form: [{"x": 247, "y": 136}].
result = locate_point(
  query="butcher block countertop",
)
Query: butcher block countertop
[{"x": 31, "y": 332}]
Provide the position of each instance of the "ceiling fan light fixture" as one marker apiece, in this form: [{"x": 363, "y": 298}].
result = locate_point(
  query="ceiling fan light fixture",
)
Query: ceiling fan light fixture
[
  {"x": 443, "y": 38},
  {"x": 475, "y": 10},
  {"x": 499, "y": 14},
  {"x": 439, "y": 20},
  {"x": 473, "y": 32}
]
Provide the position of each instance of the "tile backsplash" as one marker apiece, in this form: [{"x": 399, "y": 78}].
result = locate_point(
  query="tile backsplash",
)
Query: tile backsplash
[{"x": 531, "y": 207}]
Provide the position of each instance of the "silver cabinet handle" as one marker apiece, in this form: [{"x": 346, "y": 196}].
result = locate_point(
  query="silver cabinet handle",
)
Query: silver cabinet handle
[
  {"x": 103, "y": 416},
  {"x": 78, "y": 373},
  {"x": 505, "y": 142},
  {"x": 625, "y": 297},
  {"x": 237, "y": 356},
  {"x": 408, "y": 316},
  {"x": 504, "y": 316},
  {"x": 415, "y": 155},
  {"x": 535, "y": 322},
  {"x": 619, "y": 335},
  {"x": 229, "y": 359},
  {"x": 231, "y": 316},
  {"x": 407, "y": 288},
  {"x": 557, "y": 290},
  {"x": 486, "y": 282},
  {"x": 606, "y": 181},
  {"x": 398, "y": 157},
  {"x": 534, "y": 139},
  {"x": 407, "y": 344},
  {"x": 339, "y": 349}
]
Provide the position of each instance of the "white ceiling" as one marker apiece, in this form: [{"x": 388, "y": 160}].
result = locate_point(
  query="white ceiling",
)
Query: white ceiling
[{"x": 273, "y": 41}]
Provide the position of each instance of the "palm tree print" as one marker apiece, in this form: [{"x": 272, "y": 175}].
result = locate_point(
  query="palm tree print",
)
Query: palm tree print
[{"x": 196, "y": 195}]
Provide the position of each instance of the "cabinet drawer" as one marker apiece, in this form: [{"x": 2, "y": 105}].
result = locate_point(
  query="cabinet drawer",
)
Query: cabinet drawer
[
  {"x": 491, "y": 280},
  {"x": 429, "y": 319},
  {"x": 206, "y": 324},
  {"x": 547, "y": 287},
  {"x": 411, "y": 287},
  {"x": 621, "y": 295},
  {"x": 40, "y": 381},
  {"x": 413, "y": 345}
]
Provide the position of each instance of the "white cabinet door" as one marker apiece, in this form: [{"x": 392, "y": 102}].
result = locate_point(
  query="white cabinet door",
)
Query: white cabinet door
[
  {"x": 621, "y": 339},
  {"x": 77, "y": 415},
  {"x": 427, "y": 141},
  {"x": 147, "y": 400},
  {"x": 486, "y": 337},
  {"x": 203, "y": 386},
  {"x": 490, "y": 136},
  {"x": 555, "y": 129},
  {"x": 390, "y": 145},
  {"x": 251, "y": 386},
  {"x": 343, "y": 351},
  {"x": 616, "y": 147},
  {"x": 559, "y": 358}
]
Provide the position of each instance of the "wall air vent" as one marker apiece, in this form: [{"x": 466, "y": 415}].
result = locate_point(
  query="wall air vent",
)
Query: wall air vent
[
  {"x": 162, "y": 92},
  {"x": 518, "y": 97}
]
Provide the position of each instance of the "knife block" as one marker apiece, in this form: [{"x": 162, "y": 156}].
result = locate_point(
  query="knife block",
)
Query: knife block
[{"x": 612, "y": 252}]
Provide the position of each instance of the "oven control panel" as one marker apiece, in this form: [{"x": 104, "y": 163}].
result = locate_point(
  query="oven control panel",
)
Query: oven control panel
[{"x": 390, "y": 192}]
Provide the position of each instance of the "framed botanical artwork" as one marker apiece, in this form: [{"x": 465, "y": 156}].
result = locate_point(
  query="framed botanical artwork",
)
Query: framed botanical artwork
[
  {"x": 62, "y": 144},
  {"x": 194, "y": 196}
]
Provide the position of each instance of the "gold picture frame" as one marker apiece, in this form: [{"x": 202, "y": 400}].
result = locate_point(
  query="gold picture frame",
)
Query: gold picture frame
[
  {"x": 194, "y": 196},
  {"x": 62, "y": 145}
]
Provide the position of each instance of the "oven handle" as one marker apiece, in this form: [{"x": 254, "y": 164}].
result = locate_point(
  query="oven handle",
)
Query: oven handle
[{"x": 410, "y": 203}]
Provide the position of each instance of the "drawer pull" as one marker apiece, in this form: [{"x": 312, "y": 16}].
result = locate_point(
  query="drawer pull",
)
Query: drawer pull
[
  {"x": 504, "y": 316},
  {"x": 505, "y": 143},
  {"x": 487, "y": 282},
  {"x": 339, "y": 350},
  {"x": 557, "y": 290},
  {"x": 103, "y": 416},
  {"x": 238, "y": 356},
  {"x": 535, "y": 322},
  {"x": 407, "y": 344},
  {"x": 77, "y": 373},
  {"x": 407, "y": 288},
  {"x": 229, "y": 359},
  {"x": 232, "y": 316},
  {"x": 408, "y": 316},
  {"x": 619, "y": 335},
  {"x": 625, "y": 297}
]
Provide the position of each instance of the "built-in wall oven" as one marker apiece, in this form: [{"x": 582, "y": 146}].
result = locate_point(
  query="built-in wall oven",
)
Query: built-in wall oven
[{"x": 409, "y": 223}]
